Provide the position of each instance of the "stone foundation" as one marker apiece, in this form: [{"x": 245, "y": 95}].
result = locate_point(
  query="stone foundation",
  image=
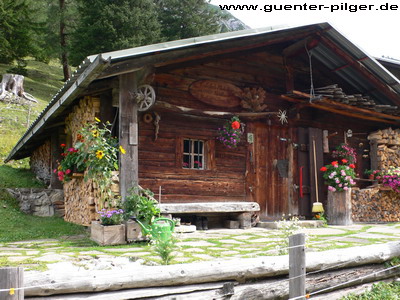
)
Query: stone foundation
[{"x": 40, "y": 202}]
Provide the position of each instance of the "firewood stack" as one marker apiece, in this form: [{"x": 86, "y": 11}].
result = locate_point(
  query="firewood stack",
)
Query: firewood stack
[
  {"x": 375, "y": 205},
  {"x": 388, "y": 147},
  {"x": 40, "y": 162},
  {"x": 83, "y": 113},
  {"x": 82, "y": 199},
  {"x": 335, "y": 93}
]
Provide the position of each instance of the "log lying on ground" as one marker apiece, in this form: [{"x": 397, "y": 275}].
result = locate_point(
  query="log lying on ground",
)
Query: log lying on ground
[
  {"x": 238, "y": 270},
  {"x": 266, "y": 289}
]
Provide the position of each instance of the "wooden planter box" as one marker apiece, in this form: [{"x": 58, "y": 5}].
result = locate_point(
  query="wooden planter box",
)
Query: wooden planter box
[
  {"x": 338, "y": 209},
  {"x": 107, "y": 235},
  {"x": 134, "y": 232}
]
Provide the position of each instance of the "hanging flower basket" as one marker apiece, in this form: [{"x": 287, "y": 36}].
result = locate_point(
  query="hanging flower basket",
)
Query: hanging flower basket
[{"x": 231, "y": 133}]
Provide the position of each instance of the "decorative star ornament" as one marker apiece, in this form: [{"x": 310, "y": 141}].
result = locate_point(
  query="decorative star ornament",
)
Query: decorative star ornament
[{"x": 282, "y": 116}]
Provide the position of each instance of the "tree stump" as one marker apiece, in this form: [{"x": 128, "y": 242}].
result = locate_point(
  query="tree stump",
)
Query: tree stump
[
  {"x": 13, "y": 84},
  {"x": 339, "y": 208}
]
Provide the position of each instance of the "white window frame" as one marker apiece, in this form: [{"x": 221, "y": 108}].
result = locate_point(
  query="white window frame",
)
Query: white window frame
[{"x": 194, "y": 156}]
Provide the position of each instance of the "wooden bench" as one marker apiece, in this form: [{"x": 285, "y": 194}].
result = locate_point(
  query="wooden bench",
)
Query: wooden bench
[{"x": 242, "y": 210}]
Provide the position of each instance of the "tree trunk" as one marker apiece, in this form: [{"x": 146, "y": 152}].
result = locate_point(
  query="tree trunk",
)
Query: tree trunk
[{"x": 63, "y": 43}]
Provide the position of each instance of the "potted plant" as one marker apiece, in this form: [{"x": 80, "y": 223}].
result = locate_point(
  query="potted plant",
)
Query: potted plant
[
  {"x": 231, "y": 133},
  {"x": 139, "y": 203},
  {"x": 373, "y": 174},
  {"x": 110, "y": 230},
  {"x": 391, "y": 179},
  {"x": 340, "y": 179}
]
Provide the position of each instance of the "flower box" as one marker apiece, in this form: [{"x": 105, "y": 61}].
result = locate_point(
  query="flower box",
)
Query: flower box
[
  {"x": 107, "y": 235},
  {"x": 338, "y": 208},
  {"x": 134, "y": 232}
]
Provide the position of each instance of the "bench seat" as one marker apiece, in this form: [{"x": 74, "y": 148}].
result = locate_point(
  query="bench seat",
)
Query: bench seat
[{"x": 243, "y": 210}]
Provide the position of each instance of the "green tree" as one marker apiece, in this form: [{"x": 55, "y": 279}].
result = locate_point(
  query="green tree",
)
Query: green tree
[
  {"x": 187, "y": 18},
  {"x": 18, "y": 29},
  {"x": 108, "y": 25}
]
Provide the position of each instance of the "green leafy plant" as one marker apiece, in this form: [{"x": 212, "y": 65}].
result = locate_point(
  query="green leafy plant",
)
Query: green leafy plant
[
  {"x": 141, "y": 204},
  {"x": 165, "y": 249},
  {"x": 379, "y": 291},
  {"x": 339, "y": 177},
  {"x": 96, "y": 152},
  {"x": 320, "y": 217},
  {"x": 287, "y": 226}
]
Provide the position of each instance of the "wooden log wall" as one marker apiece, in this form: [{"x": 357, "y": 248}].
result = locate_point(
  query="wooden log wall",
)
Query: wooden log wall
[
  {"x": 40, "y": 162},
  {"x": 160, "y": 159},
  {"x": 160, "y": 162},
  {"x": 375, "y": 205}
]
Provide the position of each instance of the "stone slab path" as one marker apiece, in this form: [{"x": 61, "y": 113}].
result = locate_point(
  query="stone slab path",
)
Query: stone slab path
[{"x": 77, "y": 253}]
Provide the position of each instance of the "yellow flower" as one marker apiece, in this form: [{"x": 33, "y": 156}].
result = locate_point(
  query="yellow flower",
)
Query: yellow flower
[
  {"x": 97, "y": 119},
  {"x": 95, "y": 133},
  {"x": 99, "y": 154},
  {"x": 122, "y": 150}
]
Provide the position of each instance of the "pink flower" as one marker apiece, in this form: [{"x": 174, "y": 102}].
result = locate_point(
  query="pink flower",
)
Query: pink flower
[
  {"x": 331, "y": 188},
  {"x": 345, "y": 188},
  {"x": 67, "y": 171}
]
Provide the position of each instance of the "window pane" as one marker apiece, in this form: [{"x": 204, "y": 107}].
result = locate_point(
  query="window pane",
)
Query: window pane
[
  {"x": 186, "y": 146},
  {"x": 186, "y": 161},
  {"x": 198, "y": 163}
]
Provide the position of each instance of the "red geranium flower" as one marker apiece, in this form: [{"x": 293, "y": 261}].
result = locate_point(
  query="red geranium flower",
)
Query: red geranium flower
[
  {"x": 323, "y": 169},
  {"x": 334, "y": 163},
  {"x": 352, "y": 166},
  {"x": 63, "y": 145},
  {"x": 344, "y": 161},
  {"x": 235, "y": 125}
]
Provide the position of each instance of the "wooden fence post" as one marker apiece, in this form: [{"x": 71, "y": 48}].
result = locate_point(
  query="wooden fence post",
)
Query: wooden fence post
[
  {"x": 297, "y": 266},
  {"x": 11, "y": 279}
]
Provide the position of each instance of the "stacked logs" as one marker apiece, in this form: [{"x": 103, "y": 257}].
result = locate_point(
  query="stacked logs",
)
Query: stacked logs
[
  {"x": 388, "y": 147},
  {"x": 83, "y": 113},
  {"x": 82, "y": 199},
  {"x": 335, "y": 93},
  {"x": 375, "y": 205},
  {"x": 40, "y": 162}
]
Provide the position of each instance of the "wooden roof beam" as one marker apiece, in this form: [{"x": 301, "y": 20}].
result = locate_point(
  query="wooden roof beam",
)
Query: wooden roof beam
[{"x": 385, "y": 89}]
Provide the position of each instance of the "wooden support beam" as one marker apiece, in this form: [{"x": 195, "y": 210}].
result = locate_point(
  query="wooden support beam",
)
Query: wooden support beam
[
  {"x": 55, "y": 152},
  {"x": 384, "y": 88},
  {"x": 128, "y": 133}
]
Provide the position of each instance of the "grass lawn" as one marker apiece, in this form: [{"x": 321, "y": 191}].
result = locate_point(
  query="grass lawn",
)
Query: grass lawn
[{"x": 18, "y": 226}]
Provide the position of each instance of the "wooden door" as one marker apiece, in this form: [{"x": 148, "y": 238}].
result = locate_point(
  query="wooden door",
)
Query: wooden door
[
  {"x": 310, "y": 149},
  {"x": 271, "y": 170}
]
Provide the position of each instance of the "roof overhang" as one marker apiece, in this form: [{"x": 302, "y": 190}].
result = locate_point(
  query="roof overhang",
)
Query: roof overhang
[{"x": 335, "y": 51}]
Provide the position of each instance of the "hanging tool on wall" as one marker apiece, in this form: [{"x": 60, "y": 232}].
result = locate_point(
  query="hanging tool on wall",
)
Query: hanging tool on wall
[{"x": 317, "y": 206}]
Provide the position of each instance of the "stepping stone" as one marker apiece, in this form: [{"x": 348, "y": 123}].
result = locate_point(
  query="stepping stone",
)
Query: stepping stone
[
  {"x": 202, "y": 256},
  {"x": 243, "y": 237},
  {"x": 181, "y": 259},
  {"x": 371, "y": 236},
  {"x": 93, "y": 252},
  {"x": 52, "y": 257},
  {"x": 231, "y": 252},
  {"x": 195, "y": 244},
  {"x": 118, "y": 250},
  {"x": 18, "y": 258},
  {"x": 32, "y": 252},
  {"x": 262, "y": 240},
  {"x": 195, "y": 250},
  {"x": 134, "y": 254},
  {"x": 230, "y": 241},
  {"x": 9, "y": 253}
]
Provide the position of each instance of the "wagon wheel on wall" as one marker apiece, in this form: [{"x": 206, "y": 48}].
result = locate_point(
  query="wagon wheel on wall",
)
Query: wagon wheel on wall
[{"x": 145, "y": 97}]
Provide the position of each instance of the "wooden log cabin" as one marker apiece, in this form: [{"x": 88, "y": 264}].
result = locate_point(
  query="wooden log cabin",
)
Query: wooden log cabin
[{"x": 300, "y": 92}]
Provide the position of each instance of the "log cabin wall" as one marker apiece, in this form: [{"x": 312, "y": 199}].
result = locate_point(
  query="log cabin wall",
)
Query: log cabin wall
[
  {"x": 229, "y": 177},
  {"x": 40, "y": 162}
]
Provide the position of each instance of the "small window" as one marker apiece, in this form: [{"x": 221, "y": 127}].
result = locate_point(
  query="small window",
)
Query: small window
[{"x": 193, "y": 154}]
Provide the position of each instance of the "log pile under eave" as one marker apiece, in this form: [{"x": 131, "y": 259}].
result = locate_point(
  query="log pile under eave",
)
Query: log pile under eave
[
  {"x": 40, "y": 162},
  {"x": 334, "y": 92},
  {"x": 388, "y": 147}
]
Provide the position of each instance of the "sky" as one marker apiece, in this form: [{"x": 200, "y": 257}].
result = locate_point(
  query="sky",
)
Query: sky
[{"x": 373, "y": 26}]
